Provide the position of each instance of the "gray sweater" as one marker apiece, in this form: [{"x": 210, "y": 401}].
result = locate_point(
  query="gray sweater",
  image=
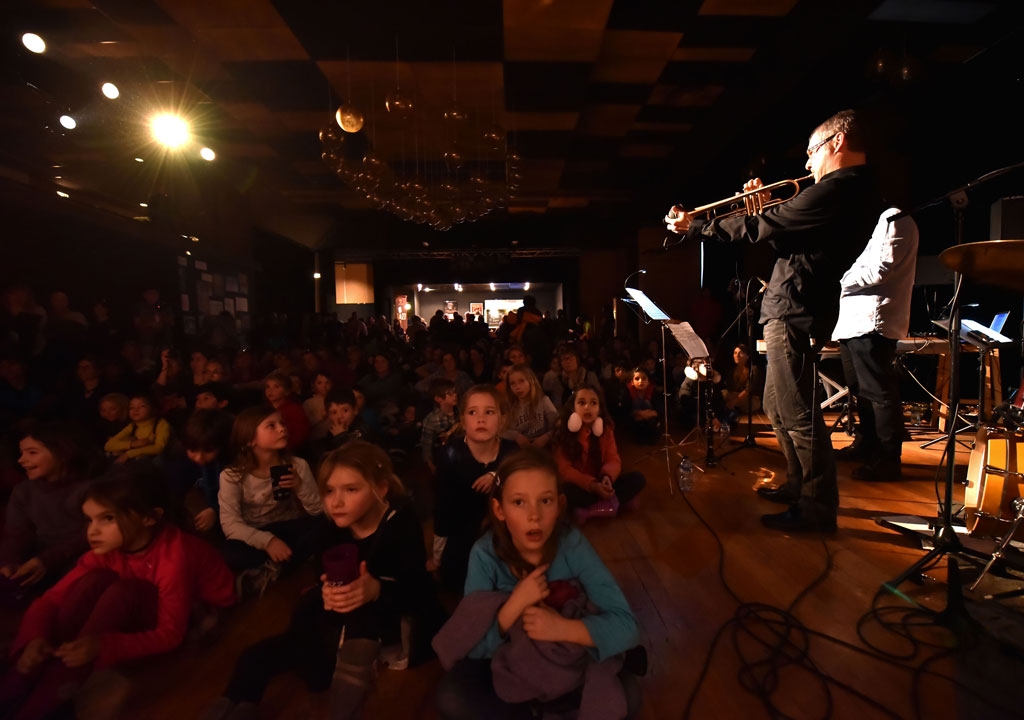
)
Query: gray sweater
[{"x": 45, "y": 520}]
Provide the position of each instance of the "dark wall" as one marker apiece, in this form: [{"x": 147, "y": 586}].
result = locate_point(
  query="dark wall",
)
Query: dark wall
[{"x": 57, "y": 245}]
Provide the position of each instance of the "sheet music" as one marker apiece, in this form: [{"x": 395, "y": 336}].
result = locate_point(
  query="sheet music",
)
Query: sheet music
[
  {"x": 688, "y": 339},
  {"x": 647, "y": 305}
]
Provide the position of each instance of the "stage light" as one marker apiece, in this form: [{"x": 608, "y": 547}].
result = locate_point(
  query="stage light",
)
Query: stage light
[
  {"x": 526, "y": 286},
  {"x": 316, "y": 276},
  {"x": 207, "y": 154},
  {"x": 143, "y": 204},
  {"x": 419, "y": 287},
  {"x": 492, "y": 287},
  {"x": 139, "y": 160},
  {"x": 408, "y": 307},
  {"x": 170, "y": 130},
  {"x": 68, "y": 122},
  {"x": 110, "y": 90},
  {"x": 63, "y": 194},
  {"x": 33, "y": 43}
]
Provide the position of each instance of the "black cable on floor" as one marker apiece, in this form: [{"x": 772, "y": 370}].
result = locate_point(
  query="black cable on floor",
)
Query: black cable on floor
[{"x": 786, "y": 642}]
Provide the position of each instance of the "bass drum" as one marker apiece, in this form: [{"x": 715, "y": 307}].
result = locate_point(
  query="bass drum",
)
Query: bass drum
[{"x": 993, "y": 483}]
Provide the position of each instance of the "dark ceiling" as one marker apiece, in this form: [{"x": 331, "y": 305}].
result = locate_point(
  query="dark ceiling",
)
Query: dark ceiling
[{"x": 611, "y": 109}]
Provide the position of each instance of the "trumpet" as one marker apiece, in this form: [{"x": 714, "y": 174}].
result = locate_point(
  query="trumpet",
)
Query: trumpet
[{"x": 752, "y": 202}]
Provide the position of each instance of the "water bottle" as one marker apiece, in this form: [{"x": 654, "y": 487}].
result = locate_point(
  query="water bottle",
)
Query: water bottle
[{"x": 684, "y": 474}]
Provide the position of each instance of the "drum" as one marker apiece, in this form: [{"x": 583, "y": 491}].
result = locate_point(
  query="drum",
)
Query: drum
[{"x": 993, "y": 482}]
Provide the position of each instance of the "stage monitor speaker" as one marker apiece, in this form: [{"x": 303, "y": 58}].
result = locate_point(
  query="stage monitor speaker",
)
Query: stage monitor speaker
[{"x": 1007, "y": 219}]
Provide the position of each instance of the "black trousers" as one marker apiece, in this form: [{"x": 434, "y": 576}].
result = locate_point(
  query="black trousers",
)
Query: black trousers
[
  {"x": 868, "y": 365},
  {"x": 308, "y": 647},
  {"x": 627, "y": 487}
]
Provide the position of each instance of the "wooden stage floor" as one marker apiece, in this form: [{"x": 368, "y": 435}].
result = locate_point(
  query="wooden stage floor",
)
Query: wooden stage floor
[{"x": 739, "y": 621}]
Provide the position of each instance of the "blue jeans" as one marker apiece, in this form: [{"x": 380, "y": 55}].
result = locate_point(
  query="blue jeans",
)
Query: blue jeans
[{"x": 794, "y": 408}]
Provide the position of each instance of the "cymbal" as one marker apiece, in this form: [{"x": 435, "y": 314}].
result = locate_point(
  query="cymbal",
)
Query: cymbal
[{"x": 992, "y": 262}]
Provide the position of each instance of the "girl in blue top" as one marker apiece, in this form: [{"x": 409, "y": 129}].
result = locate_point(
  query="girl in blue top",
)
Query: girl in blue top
[{"x": 529, "y": 565}]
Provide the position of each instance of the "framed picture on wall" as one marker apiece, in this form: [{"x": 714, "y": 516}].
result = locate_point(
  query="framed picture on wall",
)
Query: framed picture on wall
[{"x": 476, "y": 308}]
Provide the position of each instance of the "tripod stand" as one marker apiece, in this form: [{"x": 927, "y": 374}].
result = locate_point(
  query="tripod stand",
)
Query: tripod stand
[{"x": 705, "y": 389}]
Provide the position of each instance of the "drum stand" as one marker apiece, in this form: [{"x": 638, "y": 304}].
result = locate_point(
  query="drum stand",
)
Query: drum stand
[{"x": 997, "y": 554}]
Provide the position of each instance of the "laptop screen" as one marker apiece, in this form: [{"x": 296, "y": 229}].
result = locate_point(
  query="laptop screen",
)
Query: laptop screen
[{"x": 998, "y": 321}]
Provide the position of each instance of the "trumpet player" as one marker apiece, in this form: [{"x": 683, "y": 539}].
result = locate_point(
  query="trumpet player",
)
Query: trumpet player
[{"x": 816, "y": 236}]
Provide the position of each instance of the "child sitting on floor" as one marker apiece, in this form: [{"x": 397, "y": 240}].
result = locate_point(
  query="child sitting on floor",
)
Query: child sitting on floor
[
  {"x": 267, "y": 520},
  {"x": 373, "y": 575},
  {"x": 542, "y": 621},
  {"x": 146, "y": 436},
  {"x": 129, "y": 597}
]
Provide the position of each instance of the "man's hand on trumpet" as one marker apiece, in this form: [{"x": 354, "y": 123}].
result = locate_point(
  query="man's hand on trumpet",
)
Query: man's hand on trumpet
[{"x": 678, "y": 220}]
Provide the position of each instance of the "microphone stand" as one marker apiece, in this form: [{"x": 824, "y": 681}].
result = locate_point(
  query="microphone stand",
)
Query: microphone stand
[{"x": 748, "y": 309}]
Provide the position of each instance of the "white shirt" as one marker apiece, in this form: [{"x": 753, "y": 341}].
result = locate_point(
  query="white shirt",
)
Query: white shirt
[{"x": 876, "y": 290}]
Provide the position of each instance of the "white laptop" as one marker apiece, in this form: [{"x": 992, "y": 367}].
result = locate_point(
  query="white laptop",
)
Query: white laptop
[{"x": 969, "y": 329}]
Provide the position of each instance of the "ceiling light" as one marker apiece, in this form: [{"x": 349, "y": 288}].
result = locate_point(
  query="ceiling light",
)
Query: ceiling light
[
  {"x": 207, "y": 154},
  {"x": 419, "y": 287},
  {"x": 188, "y": 252},
  {"x": 57, "y": 177},
  {"x": 110, "y": 90},
  {"x": 170, "y": 130},
  {"x": 143, "y": 204},
  {"x": 63, "y": 194},
  {"x": 139, "y": 160},
  {"x": 68, "y": 122},
  {"x": 316, "y": 276},
  {"x": 193, "y": 238},
  {"x": 33, "y": 42},
  {"x": 492, "y": 287},
  {"x": 526, "y": 286}
]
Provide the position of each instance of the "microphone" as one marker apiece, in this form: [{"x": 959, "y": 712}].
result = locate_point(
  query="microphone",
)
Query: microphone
[{"x": 625, "y": 282}]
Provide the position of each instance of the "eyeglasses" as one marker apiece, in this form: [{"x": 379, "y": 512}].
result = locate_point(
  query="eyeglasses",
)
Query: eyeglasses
[{"x": 814, "y": 148}]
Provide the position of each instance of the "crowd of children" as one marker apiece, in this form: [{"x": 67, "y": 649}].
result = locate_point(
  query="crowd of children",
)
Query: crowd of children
[{"x": 217, "y": 477}]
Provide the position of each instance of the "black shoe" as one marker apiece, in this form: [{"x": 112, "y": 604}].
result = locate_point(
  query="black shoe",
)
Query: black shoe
[
  {"x": 795, "y": 520},
  {"x": 781, "y": 494},
  {"x": 852, "y": 453},
  {"x": 879, "y": 471}
]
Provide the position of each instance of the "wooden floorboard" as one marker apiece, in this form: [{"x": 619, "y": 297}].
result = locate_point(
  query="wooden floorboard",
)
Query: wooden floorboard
[{"x": 667, "y": 556}]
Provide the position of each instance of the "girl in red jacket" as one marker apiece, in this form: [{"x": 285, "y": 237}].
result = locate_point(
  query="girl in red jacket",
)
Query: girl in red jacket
[
  {"x": 588, "y": 459},
  {"x": 129, "y": 597}
]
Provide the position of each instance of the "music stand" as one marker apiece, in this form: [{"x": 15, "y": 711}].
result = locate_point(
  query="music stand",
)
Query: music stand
[{"x": 651, "y": 311}]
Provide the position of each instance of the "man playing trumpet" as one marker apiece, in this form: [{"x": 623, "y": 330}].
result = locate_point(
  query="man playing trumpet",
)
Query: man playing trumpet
[{"x": 816, "y": 236}]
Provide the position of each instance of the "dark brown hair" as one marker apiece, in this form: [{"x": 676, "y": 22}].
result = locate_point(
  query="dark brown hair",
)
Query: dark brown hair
[
  {"x": 566, "y": 441},
  {"x": 74, "y": 453},
  {"x": 133, "y": 491},
  {"x": 529, "y": 458},
  {"x": 206, "y": 431}
]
